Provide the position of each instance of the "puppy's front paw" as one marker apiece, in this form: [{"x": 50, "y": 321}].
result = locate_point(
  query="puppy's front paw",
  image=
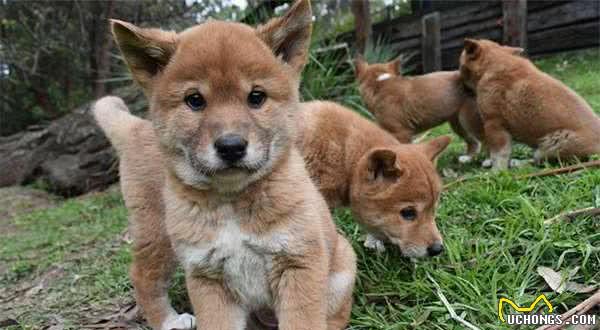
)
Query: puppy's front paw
[
  {"x": 180, "y": 322},
  {"x": 465, "y": 159},
  {"x": 516, "y": 163},
  {"x": 373, "y": 243},
  {"x": 487, "y": 163}
]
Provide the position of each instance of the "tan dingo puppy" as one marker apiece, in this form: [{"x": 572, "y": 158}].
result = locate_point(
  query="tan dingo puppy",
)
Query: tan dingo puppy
[
  {"x": 406, "y": 106},
  {"x": 237, "y": 207},
  {"x": 518, "y": 101},
  {"x": 392, "y": 188}
]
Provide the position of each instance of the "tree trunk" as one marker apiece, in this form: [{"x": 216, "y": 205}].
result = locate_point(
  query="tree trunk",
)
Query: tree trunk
[
  {"x": 362, "y": 22},
  {"x": 101, "y": 44}
]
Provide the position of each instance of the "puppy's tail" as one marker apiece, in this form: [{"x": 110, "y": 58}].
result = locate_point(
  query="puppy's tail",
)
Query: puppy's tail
[{"x": 112, "y": 115}]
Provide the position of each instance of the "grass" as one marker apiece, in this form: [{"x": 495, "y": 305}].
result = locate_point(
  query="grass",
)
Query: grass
[{"x": 493, "y": 225}]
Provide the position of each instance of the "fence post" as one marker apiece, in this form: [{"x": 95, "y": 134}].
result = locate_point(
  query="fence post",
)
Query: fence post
[
  {"x": 431, "y": 48},
  {"x": 362, "y": 23},
  {"x": 514, "y": 23}
]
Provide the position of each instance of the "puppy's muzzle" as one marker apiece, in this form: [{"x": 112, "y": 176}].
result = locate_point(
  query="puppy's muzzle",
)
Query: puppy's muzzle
[{"x": 231, "y": 147}]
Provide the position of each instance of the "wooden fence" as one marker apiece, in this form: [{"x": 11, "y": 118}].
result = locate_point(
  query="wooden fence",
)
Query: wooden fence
[{"x": 551, "y": 26}]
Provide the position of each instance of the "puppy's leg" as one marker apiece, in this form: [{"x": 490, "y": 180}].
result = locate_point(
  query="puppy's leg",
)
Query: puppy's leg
[
  {"x": 151, "y": 270},
  {"x": 300, "y": 302},
  {"x": 153, "y": 257},
  {"x": 499, "y": 142},
  {"x": 473, "y": 145},
  {"x": 341, "y": 284},
  {"x": 213, "y": 305},
  {"x": 402, "y": 134}
]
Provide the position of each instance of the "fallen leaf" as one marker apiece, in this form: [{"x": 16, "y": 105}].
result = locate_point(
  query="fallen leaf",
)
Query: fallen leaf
[
  {"x": 558, "y": 284},
  {"x": 124, "y": 316},
  {"x": 58, "y": 323},
  {"x": 56, "y": 327},
  {"x": 48, "y": 278}
]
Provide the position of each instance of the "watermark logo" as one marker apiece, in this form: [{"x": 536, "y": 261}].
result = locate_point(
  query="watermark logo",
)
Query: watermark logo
[
  {"x": 523, "y": 316},
  {"x": 516, "y": 307}
]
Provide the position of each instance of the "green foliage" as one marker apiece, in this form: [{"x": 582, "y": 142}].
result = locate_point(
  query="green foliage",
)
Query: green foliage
[
  {"x": 57, "y": 55},
  {"x": 378, "y": 52}
]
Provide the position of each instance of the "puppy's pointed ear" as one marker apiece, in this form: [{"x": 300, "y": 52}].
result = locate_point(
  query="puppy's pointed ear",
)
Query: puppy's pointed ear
[
  {"x": 396, "y": 65},
  {"x": 359, "y": 65},
  {"x": 472, "y": 48},
  {"x": 434, "y": 147},
  {"x": 289, "y": 35},
  {"x": 381, "y": 165},
  {"x": 146, "y": 51}
]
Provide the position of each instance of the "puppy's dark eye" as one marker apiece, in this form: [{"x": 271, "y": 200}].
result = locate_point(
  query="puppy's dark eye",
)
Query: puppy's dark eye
[
  {"x": 256, "y": 99},
  {"x": 195, "y": 101},
  {"x": 409, "y": 213}
]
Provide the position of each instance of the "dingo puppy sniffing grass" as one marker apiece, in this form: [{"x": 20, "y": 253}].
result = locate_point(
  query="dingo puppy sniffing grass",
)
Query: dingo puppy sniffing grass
[
  {"x": 406, "y": 106},
  {"x": 392, "y": 188},
  {"x": 238, "y": 208},
  {"x": 519, "y": 102}
]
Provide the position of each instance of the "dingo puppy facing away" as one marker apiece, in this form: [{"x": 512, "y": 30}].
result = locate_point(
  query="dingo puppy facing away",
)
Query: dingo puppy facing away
[
  {"x": 237, "y": 208},
  {"x": 406, "y": 106},
  {"x": 392, "y": 188},
  {"x": 518, "y": 101}
]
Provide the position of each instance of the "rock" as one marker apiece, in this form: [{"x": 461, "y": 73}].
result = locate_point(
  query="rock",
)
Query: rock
[{"x": 70, "y": 156}]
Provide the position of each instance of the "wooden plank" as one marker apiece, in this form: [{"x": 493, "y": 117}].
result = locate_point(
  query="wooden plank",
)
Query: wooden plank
[
  {"x": 471, "y": 30},
  {"x": 494, "y": 34},
  {"x": 451, "y": 49},
  {"x": 468, "y": 15},
  {"x": 450, "y": 58},
  {"x": 534, "y": 6},
  {"x": 401, "y": 29},
  {"x": 431, "y": 43},
  {"x": 564, "y": 14},
  {"x": 515, "y": 23},
  {"x": 410, "y": 27},
  {"x": 565, "y": 38},
  {"x": 407, "y": 44}
]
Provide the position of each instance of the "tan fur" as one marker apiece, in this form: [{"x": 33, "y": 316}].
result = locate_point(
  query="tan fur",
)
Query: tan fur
[
  {"x": 250, "y": 237},
  {"x": 406, "y": 106},
  {"x": 518, "y": 101},
  {"x": 340, "y": 149}
]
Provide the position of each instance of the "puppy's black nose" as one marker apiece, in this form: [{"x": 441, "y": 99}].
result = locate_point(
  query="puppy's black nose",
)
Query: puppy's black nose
[
  {"x": 231, "y": 147},
  {"x": 435, "y": 249}
]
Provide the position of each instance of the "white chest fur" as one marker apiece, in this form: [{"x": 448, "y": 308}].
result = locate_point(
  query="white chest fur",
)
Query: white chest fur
[{"x": 242, "y": 261}]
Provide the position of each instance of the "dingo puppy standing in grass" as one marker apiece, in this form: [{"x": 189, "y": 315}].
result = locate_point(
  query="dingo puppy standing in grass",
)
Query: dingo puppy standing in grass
[
  {"x": 406, "y": 106},
  {"x": 237, "y": 208},
  {"x": 519, "y": 102}
]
